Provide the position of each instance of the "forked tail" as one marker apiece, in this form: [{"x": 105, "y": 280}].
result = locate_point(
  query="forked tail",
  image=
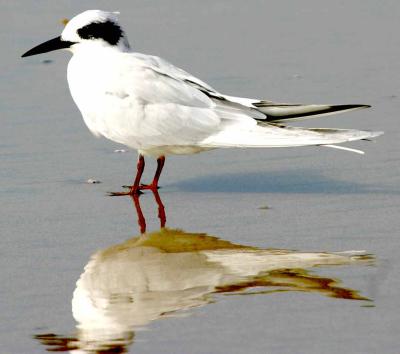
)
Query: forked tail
[{"x": 271, "y": 135}]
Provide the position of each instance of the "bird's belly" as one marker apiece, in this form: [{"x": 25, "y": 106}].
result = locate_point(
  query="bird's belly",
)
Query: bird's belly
[
  {"x": 115, "y": 122},
  {"x": 126, "y": 125},
  {"x": 156, "y": 151}
]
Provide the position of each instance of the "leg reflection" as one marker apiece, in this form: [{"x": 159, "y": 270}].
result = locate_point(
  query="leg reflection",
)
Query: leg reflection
[
  {"x": 140, "y": 215},
  {"x": 141, "y": 219},
  {"x": 161, "y": 209}
]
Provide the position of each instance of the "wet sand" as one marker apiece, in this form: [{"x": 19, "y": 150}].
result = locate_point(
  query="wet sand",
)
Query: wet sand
[{"x": 301, "y": 201}]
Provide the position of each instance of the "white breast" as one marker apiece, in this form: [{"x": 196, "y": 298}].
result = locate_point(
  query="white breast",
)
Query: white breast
[{"x": 106, "y": 109}]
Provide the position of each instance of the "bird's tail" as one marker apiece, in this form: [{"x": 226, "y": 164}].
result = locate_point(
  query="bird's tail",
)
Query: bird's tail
[{"x": 271, "y": 135}]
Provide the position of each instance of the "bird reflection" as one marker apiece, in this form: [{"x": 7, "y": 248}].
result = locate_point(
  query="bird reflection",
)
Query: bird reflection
[{"x": 161, "y": 274}]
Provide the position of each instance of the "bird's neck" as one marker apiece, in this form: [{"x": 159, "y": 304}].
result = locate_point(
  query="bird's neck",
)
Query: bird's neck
[{"x": 98, "y": 47}]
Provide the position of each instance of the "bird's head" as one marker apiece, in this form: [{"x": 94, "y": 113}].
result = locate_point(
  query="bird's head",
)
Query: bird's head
[{"x": 89, "y": 28}]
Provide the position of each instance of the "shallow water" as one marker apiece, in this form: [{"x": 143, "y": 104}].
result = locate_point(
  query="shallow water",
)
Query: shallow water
[{"x": 252, "y": 257}]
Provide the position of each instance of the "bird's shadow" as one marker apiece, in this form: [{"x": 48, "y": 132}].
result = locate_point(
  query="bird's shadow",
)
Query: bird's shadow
[{"x": 299, "y": 181}]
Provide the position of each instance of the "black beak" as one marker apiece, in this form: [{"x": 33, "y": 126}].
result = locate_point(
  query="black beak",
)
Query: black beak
[{"x": 52, "y": 44}]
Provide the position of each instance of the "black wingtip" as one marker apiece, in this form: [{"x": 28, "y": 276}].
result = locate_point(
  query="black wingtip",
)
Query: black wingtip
[
  {"x": 343, "y": 107},
  {"x": 325, "y": 110},
  {"x": 361, "y": 106}
]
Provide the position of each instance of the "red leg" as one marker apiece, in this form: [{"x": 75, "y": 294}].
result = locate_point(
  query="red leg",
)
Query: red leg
[
  {"x": 140, "y": 168},
  {"x": 154, "y": 184},
  {"x": 160, "y": 165},
  {"x": 135, "y": 188}
]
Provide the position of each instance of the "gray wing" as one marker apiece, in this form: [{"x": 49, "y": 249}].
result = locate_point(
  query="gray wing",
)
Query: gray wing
[{"x": 262, "y": 110}]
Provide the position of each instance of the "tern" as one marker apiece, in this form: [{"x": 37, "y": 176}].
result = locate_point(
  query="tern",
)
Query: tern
[{"x": 148, "y": 104}]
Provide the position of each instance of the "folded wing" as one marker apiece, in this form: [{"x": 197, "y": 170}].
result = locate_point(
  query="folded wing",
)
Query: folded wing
[{"x": 244, "y": 122}]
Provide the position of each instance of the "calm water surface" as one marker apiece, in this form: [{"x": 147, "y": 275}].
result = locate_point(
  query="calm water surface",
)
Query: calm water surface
[{"x": 256, "y": 251}]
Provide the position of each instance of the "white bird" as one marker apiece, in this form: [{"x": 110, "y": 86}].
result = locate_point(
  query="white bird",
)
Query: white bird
[{"x": 148, "y": 104}]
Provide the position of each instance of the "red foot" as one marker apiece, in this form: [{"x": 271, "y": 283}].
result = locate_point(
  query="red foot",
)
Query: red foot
[
  {"x": 151, "y": 186},
  {"x": 119, "y": 194},
  {"x": 135, "y": 191}
]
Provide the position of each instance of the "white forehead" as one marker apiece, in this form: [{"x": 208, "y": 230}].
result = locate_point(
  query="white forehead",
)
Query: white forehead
[{"x": 70, "y": 31}]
